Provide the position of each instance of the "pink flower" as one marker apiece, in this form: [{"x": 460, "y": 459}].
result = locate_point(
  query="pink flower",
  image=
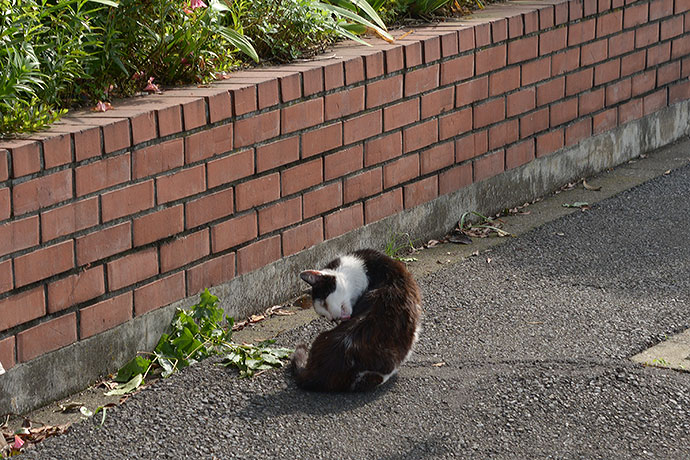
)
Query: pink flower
[
  {"x": 151, "y": 87},
  {"x": 18, "y": 442},
  {"x": 194, "y": 4}
]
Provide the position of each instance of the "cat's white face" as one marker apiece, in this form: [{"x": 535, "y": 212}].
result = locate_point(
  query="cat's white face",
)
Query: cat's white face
[{"x": 337, "y": 306}]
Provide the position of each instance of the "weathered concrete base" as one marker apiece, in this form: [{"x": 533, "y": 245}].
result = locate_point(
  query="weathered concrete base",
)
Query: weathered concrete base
[
  {"x": 68, "y": 370},
  {"x": 673, "y": 353}
]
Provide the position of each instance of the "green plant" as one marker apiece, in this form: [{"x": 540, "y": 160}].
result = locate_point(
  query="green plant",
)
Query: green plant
[
  {"x": 398, "y": 244},
  {"x": 197, "y": 334},
  {"x": 483, "y": 228}
]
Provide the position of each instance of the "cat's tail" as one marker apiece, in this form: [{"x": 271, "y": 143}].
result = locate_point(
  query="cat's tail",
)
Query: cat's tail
[{"x": 299, "y": 359}]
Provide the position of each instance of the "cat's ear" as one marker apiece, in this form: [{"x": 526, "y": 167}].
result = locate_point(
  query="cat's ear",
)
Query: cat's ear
[{"x": 312, "y": 276}]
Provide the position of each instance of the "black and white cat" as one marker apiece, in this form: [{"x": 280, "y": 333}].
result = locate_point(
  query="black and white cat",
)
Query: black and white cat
[{"x": 378, "y": 305}]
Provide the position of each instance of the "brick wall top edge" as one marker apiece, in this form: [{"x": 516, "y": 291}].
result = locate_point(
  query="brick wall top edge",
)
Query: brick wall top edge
[{"x": 127, "y": 109}]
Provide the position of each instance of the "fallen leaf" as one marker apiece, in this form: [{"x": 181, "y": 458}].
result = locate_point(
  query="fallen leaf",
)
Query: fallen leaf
[
  {"x": 441, "y": 364},
  {"x": 405, "y": 34},
  {"x": 85, "y": 411},
  {"x": 102, "y": 107},
  {"x": 577, "y": 204},
  {"x": 475, "y": 253},
  {"x": 70, "y": 407},
  {"x": 488, "y": 260},
  {"x": 127, "y": 387},
  {"x": 590, "y": 187},
  {"x": 560, "y": 234},
  {"x": 256, "y": 318},
  {"x": 459, "y": 237},
  {"x": 431, "y": 243},
  {"x": 666, "y": 173}
]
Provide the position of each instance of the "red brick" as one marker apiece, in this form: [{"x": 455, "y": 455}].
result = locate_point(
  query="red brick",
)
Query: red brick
[
  {"x": 7, "y": 353},
  {"x": 594, "y": 52},
  {"x": 277, "y": 153},
  {"x": 257, "y": 255},
  {"x": 302, "y": 176},
  {"x": 322, "y": 199},
  {"x": 322, "y": 139},
  {"x": 564, "y": 62},
  {"x": 630, "y": 111},
  {"x": 647, "y": 35},
  {"x": 413, "y": 52},
  {"x": 632, "y": 63},
  {"x": 668, "y": 73},
  {"x": 643, "y": 83},
  {"x": 671, "y": 28},
  {"x": 354, "y": 70},
  {"x": 552, "y": 90},
  {"x": 132, "y": 268},
  {"x": 520, "y": 102},
  {"x": 609, "y": 23},
  {"x": 471, "y": 91},
  {"x": 210, "y": 273},
  {"x": 343, "y": 221},
  {"x": 301, "y": 115},
  {"x": 395, "y": 58},
  {"x": 549, "y": 142},
  {"x": 607, "y": 71},
  {"x": 343, "y": 103},
  {"x": 383, "y": 205},
  {"x": 499, "y": 30},
  {"x": 159, "y": 293},
  {"x": 576, "y": 10},
  {"x": 471, "y": 146},
  {"x": 489, "y": 112},
  {"x": 534, "y": 122},
  {"x": 515, "y": 26},
  {"x": 373, "y": 65},
  {"x": 635, "y": 15},
  {"x": 42, "y": 192},
  {"x": 257, "y": 128},
  {"x": 57, "y": 149},
  {"x": 679, "y": 92},
  {"x": 46, "y": 337},
  {"x": 116, "y": 135},
  {"x": 490, "y": 59},
  {"x": 231, "y": 168},
  {"x": 185, "y": 250},
  {"x": 437, "y": 157},
  {"x": 592, "y": 101},
  {"x": 384, "y": 91},
  {"x": 434, "y": 103},
  {"x": 420, "y": 192},
  {"x": 421, "y": 80},
  {"x": 419, "y": 136},
  {"x": 457, "y": 69},
  {"x": 181, "y": 184},
  {"x": 546, "y": 17},
  {"x": 363, "y": 185},
  {"x": 489, "y": 165},
  {"x": 205, "y": 144},
  {"x": 578, "y": 82},
  {"x": 660, "y": 9},
  {"x": 343, "y": 162},
  {"x": 362, "y": 127},
  {"x": 553, "y": 40},
  {"x": 656, "y": 54},
  {"x": 681, "y": 6},
  {"x": 158, "y": 225},
  {"x": 102, "y": 174},
  {"x": 158, "y": 158},
  {"x": 520, "y": 154},
  {"x": 503, "y": 81},
  {"x": 103, "y": 243},
  {"x": 43, "y": 263},
  {"x": 234, "y": 232},
  {"x": 333, "y": 76},
  {"x": 523, "y": 49},
  {"x": 105, "y": 315},
  {"x": 5, "y": 203},
  {"x": 604, "y": 121},
  {"x": 280, "y": 215},
  {"x": 482, "y": 33},
  {"x": 654, "y": 102},
  {"x": 76, "y": 289},
  {"x": 455, "y": 178},
  {"x": 6, "y": 278},
  {"x": 401, "y": 170},
  {"x": 534, "y": 71},
  {"x": 574, "y": 133},
  {"x": 209, "y": 208},
  {"x": 312, "y": 80},
  {"x": 621, "y": 44},
  {"x": 219, "y": 107},
  {"x": 21, "y": 308},
  {"x": 401, "y": 114},
  {"x": 87, "y": 143},
  {"x": 563, "y": 112},
  {"x": 124, "y": 201},
  {"x": 685, "y": 67},
  {"x": 680, "y": 47},
  {"x": 503, "y": 134},
  {"x": 26, "y": 156},
  {"x": 257, "y": 192},
  {"x": 290, "y": 87},
  {"x": 4, "y": 164},
  {"x": 169, "y": 120},
  {"x": 581, "y": 32},
  {"x": 18, "y": 235},
  {"x": 302, "y": 237}
]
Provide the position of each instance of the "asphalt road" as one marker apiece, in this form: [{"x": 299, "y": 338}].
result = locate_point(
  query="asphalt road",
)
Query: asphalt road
[{"x": 535, "y": 346}]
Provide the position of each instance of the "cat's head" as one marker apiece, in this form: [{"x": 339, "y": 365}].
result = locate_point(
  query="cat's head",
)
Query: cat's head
[{"x": 329, "y": 294}]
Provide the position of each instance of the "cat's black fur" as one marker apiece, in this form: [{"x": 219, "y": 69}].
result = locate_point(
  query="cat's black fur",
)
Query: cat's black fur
[{"x": 362, "y": 352}]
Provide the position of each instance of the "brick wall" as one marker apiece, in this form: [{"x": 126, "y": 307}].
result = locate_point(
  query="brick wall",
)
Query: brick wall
[{"x": 107, "y": 216}]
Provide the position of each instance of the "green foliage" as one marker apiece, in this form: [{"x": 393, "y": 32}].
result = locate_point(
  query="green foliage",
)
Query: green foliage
[
  {"x": 196, "y": 334},
  {"x": 398, "y": 244}
]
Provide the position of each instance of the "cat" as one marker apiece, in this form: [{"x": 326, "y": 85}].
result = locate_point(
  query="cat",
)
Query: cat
[{"x": 378, "y": 306}]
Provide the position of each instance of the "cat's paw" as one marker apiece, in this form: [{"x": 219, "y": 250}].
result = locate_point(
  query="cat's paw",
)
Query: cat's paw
[{"x": 299, "y": 357}]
